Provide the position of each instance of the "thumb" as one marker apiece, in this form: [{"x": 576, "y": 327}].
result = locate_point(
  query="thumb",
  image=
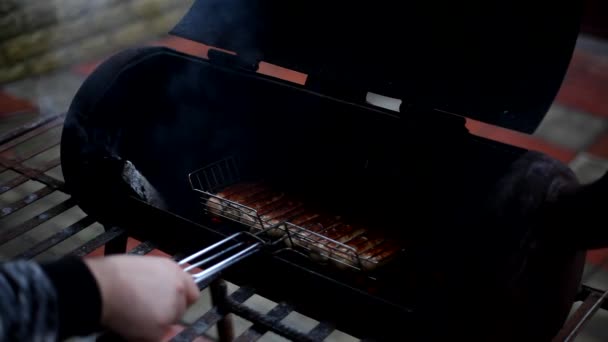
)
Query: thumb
[{"x": 192, "y": 291}]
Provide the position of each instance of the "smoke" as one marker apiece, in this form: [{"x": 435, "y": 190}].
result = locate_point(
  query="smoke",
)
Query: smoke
[{"x": 234, "y": 25}]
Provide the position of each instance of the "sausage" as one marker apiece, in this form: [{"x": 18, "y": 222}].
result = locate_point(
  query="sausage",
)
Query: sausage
[
  {"x": 343, "y": 232},
  {"x": 373, "y": 250},
  {"x": 223, "y": 208},
  {"x": 289, "y": 210},
  {"x": 340, "y": 233},
  {"x": 241, "y": 196},
  {"x": 324, "y": 247},
  {"x": 304, "y": 218},
  {"x": 380, "y": 254},
  {"x": 322, "y": 223},
  {"x": 305, "y": 238},
  {"x": 260, "y": 196},
  {"x": 364, "y": 242},
  {"x": 252, "y": 217},
  {"x": 254, "y": 201},
  {"x": 269, "y": 206},
  {"x": 234, "y": 189},
  {"x": 214, "y": 205}
]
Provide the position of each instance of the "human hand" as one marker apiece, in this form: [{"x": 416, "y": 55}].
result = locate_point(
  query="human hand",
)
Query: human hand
[{"x": 142, "y": 296}]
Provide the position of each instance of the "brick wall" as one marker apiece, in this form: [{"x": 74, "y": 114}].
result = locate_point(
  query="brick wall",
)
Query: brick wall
[{"x": 37, "y": 36}]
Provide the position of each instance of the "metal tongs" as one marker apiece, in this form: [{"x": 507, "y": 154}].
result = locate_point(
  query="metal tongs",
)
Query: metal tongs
[{"x": 221, "y": 255}]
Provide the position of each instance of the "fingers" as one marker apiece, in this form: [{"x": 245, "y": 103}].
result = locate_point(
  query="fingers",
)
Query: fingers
[
  {"x": 171, "y": 332},
  {"x": 181, "y": 308},
  {"x": 192, "y": 291}
]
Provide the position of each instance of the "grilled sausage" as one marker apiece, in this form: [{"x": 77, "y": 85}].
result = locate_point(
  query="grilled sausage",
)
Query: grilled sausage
[
  {"x": 259, "y": 207},
  {"x": 344, "y": 257},
  {"x": 380, "y": 255},
  {"x": 235, "y": 189},
  {"x": 282, "y": 214},
  {"x": 242, "y": 195}
]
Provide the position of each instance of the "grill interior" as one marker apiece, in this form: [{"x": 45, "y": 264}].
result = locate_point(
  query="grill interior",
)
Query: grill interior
[{"x": 278, "y": 216}]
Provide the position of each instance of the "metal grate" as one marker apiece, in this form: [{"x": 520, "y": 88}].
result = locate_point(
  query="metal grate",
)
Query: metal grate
[
  {"x": 114, "y": 239},
  {"x": 207, "y": 181}
]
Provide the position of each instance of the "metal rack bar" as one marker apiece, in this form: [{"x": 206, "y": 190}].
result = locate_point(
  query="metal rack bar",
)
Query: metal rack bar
[
  {"x": 266, "y": 322},
  {"x": 24, "y": 133},
  {"x": 143, "y": 248},
  {"x": 97, "y": 242},
  {"x": 33, "y": 153},
  {"x": 201, "y": 325},
  {"x": 13, "y": 183},
  {"x": 321, "y": 331},
  {"x": 57, "y": 238},
  {"x": 38, "y": 175},
  {"x": 593, "y": 301},
  {"x": 29, "y": 199},
  {"x": 256, "y": 331},
  {"x": 9, "y": 234},
  {"x": 225, "y": 328}
]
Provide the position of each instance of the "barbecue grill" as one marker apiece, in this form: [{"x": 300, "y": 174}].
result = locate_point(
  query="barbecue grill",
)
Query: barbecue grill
[
  {"x": 113, "y": 239},
  {"x": 150, "y": 130}
]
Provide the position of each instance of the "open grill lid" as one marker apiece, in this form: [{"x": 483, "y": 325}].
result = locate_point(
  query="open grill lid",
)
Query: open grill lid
[{"x": 501, "y": 62}]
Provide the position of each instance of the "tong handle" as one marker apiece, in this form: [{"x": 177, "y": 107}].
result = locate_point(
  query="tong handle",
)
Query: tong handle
[{"x": 221, "y": 255}]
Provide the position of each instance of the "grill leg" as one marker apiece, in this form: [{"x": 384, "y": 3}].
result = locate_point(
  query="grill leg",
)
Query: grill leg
[
  {"x": 219, "y": 291},
  {"x": 117, "y": 245}
]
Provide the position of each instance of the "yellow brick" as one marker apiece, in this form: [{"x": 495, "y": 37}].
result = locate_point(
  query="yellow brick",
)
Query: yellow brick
[
  {"x": 27, "y": 45},
  {"x": 111, "y": 18},
  {"x": 92, "y": 47},
  {"x": 149, "y": 8},
  {"x": 129, "y": 35},
  {"x": 12, "y": 73},
  {"x": 164, "y": 23},
  {"x": 7, "y": 6},
  {"x": 41, "y": 14},
  {"x": 70, "y": 31},
  {"x": 68, "y": 9},
  {"x": 51, "y": 60},
  {"x": 10, "y": 25}
]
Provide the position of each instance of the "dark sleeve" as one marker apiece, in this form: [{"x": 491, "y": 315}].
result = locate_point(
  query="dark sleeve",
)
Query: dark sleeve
[
  {"x": 78, "y": 297},
  {"x": 47, "y": 302}
]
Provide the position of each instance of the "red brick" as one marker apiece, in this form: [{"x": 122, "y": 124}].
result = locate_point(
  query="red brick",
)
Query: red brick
[
  {"x": 600, "y": 147},
  {"x": 519, "y": 139},
  {"x": 10, "y": 105},
  {"x": 131, "y": 243},
  {"x": 585, "y": 86},
  {"x": 97, "y": 253},
  {"x": 598, "y": 257},
  {"x": 86, "y": 69}
]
